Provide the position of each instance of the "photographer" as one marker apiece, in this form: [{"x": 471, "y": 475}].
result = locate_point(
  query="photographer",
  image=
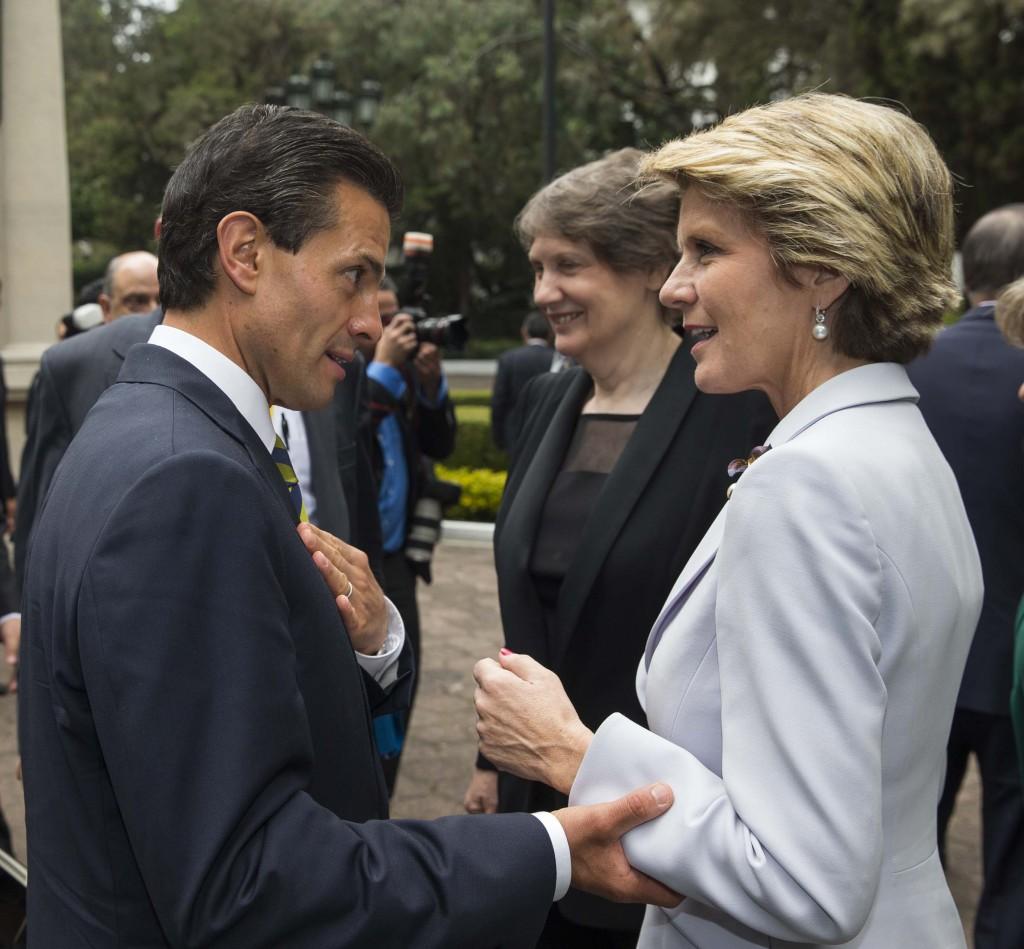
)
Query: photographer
[{"x": 413, "y": 423}]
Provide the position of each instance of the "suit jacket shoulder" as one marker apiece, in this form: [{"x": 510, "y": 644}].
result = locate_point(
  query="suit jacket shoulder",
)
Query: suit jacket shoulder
[{"x": 72, "y": 375}]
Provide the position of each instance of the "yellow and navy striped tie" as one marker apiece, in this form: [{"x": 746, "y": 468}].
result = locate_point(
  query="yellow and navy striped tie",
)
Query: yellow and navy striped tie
[{"x": 284, "y": 465}]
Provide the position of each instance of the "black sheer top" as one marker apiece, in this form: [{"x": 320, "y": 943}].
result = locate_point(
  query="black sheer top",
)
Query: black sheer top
[{"x": 597, "y": 444}]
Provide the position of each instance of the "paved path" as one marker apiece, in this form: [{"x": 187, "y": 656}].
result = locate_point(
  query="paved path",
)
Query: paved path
[{"x": 461, "y": 624}]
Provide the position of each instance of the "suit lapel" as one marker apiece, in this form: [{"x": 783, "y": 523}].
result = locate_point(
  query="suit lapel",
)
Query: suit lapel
[{"x": 655, "y": 432}]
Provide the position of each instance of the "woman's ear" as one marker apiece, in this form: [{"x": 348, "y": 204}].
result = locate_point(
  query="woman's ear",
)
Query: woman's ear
[
  {"x": 828, "y": 287},
  {"x": 239, "y": 237}
]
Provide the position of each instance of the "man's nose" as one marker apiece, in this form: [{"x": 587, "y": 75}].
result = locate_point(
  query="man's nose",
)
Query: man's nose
[{"x": 366, "y": 323}]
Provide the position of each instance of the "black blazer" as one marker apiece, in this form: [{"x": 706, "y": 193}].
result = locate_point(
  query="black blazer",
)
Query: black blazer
[
  {"x": 515, "y": 368},
  {"x": 74, "y": 373},
  {"x": 198, "y": 755},
  {"x": 968, "y": 384},
  {"x": 656, "y": 505}
]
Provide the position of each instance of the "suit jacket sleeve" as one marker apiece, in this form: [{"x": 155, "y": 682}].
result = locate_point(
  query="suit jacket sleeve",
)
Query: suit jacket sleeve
[
  {"x": 787, "y": 839},
  {"x": 188, "y": 655},
  {"x": 435, "y": 429},
  {"x": 47, "y": 436}
]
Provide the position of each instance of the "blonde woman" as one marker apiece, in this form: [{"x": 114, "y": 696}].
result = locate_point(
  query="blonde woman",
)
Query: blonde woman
[
  {"x": 800, "y": 680},
  {"x": 618, "y": 470}
]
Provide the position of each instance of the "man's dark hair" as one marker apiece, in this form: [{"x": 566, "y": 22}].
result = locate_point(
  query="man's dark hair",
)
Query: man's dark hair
[
  {"x": 536, "y": 326},
  {"x": 279, "y": 164},
  {"x": 993, "y": 251}
]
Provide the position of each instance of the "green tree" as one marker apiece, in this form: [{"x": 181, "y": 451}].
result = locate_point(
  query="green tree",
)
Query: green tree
[{"x": 462, "y": 96}]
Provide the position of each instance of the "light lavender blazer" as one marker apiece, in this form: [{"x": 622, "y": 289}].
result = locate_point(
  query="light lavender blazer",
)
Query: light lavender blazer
[{"x": 799, "y": 686}]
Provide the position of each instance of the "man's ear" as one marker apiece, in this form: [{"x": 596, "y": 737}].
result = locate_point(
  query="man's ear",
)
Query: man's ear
[
  {"x": 240, "y": 237},
  {"x": 104, "y": 301},
  {"x": 828, "y": 287}
]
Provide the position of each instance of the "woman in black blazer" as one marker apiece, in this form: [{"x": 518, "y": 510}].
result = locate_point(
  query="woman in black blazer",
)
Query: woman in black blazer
[{"x": 619, "y": 468}]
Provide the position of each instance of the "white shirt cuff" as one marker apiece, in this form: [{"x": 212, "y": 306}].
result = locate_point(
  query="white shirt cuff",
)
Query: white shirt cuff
[
  {"x": 382, "y": 667},
  {"x": 560, "y": 845},
  {"x": 7, "y": 616}
]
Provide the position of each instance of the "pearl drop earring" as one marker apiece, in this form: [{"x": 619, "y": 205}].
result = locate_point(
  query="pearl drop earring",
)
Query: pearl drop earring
[{"x": 820, "y": 331}]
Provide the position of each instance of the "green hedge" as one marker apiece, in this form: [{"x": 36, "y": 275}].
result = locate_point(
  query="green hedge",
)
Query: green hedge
[
  {"x": 477, "y": 464},
  {"x": 481, "y": 492},
  {"x": 474, "y": 446},
  {"x": 471, "y": 396}
]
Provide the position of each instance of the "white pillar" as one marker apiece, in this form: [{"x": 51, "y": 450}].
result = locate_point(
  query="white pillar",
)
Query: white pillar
[{"x": 35, "y": 210}]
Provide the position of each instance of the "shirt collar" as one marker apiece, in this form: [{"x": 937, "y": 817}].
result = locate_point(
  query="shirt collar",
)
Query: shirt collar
[
  {"x": 875, "y": 382},
  {"x": 226, "y": 375}
]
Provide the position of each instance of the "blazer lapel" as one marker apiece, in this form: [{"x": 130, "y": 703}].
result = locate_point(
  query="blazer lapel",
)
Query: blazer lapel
[
  {"x": 655, "y": 432},
  {"x": 695, "y": 568},
  {"x": 520, "y": 524}
]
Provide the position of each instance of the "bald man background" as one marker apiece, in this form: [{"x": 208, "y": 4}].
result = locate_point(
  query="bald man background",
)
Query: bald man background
[{"x": 130, "y": 285}]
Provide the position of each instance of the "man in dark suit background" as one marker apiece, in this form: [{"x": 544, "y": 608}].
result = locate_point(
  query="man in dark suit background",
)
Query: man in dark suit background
[
  {"x": 198, "y": 756},
  {"x": 515, "y": 368},
  {"x": 968, "y": 385}
]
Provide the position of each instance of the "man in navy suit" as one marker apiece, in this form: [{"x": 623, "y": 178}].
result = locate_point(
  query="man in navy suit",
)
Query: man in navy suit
[
  {"x": 968, "y": 385},
  {"x": 194, "y": 723}
]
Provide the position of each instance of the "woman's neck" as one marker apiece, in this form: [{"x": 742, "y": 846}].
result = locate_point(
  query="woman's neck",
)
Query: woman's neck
[{"x": 625, "y": 379}]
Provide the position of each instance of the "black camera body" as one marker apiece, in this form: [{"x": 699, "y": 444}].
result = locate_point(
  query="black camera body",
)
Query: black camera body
[{"x": 448, "y": 332}]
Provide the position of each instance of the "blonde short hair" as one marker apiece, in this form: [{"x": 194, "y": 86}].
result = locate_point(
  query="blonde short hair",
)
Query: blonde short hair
[
  {"x": 1010, "y": 313},
  {"x": 851, "y": 187}
]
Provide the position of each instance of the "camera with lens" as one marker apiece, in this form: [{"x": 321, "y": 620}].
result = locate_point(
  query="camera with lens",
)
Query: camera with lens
[{"x": 450, "y": 332}]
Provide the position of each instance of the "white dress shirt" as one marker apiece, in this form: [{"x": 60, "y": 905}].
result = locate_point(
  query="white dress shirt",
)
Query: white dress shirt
[{"x": 251, "y": 403}]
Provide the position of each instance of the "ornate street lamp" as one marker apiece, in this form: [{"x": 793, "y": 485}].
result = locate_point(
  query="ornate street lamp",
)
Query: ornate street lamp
[
  {"x": 341, "y": 107},
  {"x": 299, "y": 95},
  {"x": 369, "y": 102},
  {"x": 322, "y": 74},
  {"x": 319, "y": 91}
]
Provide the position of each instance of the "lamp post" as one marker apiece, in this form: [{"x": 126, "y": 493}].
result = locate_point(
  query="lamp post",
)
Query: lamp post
[
  {"x": 549, "y": 121},
  {"x": 319, "y": 91}
]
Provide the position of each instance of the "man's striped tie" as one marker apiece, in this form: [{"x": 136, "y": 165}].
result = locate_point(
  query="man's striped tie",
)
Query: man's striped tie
[{"x": 284, "y": 465}]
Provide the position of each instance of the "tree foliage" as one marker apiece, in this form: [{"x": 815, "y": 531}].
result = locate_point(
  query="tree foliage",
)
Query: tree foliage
[{"x": 462, "y": 82}]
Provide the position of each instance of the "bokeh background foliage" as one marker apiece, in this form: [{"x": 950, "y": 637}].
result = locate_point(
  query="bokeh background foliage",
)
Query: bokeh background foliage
[{"x": 462, "y": 97}]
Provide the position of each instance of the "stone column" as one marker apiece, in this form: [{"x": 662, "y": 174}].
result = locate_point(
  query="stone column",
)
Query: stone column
[{"x": 35, "y": 210}]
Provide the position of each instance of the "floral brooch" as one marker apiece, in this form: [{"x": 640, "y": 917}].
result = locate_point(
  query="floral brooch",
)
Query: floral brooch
[{"x": 738, "y": 465}]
